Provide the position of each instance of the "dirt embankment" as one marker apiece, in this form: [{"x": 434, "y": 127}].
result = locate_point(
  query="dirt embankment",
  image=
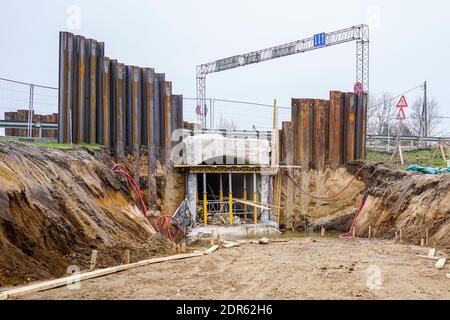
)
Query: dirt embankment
[
  {"x": 302, "y": 211},
  {"x": 56, "y": 206},
  {"x": 413, "y": 202}
]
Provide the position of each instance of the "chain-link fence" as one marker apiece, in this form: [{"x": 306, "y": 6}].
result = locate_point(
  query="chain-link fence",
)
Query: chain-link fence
[
  {"x": 230, "y": 114},
  {"x": 22, "y": 104}
]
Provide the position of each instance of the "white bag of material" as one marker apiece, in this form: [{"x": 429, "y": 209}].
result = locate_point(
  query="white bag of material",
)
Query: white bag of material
[{"x": 215, "y": 149}]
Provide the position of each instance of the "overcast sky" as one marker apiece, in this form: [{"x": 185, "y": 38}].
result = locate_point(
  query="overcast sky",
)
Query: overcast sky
[{"x": 409, "y": 44}]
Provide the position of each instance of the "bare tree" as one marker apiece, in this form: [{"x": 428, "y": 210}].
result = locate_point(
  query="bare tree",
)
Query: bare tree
[
  {"x": 415, "y": 119},
  {"x": 381, "y": 113}
]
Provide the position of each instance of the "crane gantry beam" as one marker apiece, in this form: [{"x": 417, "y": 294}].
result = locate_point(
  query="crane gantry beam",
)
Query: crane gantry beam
[{"x": 359, "y": 33}]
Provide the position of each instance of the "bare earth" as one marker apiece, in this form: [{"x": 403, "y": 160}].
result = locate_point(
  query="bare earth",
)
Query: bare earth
[{"x": 319, "y": 268}]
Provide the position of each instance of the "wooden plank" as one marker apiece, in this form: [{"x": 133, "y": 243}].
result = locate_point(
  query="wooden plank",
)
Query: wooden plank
[
  {"x": 256, "y": 204},
  {"x": 211, "y": 250},
  {"x": 428, "y": 257},
  {"x": 230, "y": 245},
  {"x": 18, "y": 292}
]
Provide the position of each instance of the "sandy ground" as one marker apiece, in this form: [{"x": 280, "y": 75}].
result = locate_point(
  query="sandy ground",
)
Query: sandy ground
[{"x": 316, "y": 268}]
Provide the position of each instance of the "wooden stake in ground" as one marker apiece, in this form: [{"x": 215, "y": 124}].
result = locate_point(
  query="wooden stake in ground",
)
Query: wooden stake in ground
[
  {"x": 440, "y": 147},
  {"x": 422, "y": 242},
  {"x": 93, "y": 260},
  {"x": 322, "y": 232},
  {"x": 400, "y": 235},
  {"x": 398, "y": 149},
  {"x": 370, "y": 232},
  {"x": 126, "y": 257},
  {"x": 427, "y": 237}
]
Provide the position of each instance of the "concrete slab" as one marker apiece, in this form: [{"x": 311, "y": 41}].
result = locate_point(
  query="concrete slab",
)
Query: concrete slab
[{"x": 233, "y": 231}]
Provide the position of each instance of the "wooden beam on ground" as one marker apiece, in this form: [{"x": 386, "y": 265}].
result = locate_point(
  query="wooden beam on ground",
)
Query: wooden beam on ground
[
  {"x": 19, "y": 292},
  {"x": 211, "y": 250},
  {"x": 256, "y": 204},
  {"x": 428, "y": 257}
]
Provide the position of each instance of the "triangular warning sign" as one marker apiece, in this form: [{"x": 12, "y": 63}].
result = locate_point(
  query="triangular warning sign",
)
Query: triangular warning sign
[
  {"x": 402, "y": 103},
  {"x": 401, "y": 114}
]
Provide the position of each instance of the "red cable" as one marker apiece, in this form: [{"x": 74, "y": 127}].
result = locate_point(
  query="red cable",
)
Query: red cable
[
  {"x": 165, "y": 222},
  {"x": 327, "y": 197},
  {"x": 349, "y": 234},
  {"x": 118, "y": 168}
]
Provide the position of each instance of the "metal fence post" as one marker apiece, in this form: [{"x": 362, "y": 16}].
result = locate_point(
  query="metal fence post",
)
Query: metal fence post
[{"x": 30, "y": 112}]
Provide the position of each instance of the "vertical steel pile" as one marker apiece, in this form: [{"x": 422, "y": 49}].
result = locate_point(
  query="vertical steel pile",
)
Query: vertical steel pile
[
  {"x": 102, "y": 101},
  {"x": 328, "y": 132}
]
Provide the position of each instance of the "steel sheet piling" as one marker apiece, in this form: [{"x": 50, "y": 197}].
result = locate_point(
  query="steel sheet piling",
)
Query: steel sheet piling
[
  {"x": 136, "y": 107},
  {"x": 104, "y": 98},
  {"x": 168, "y": 121},
  {"x": 320, "y": 133},
  {"x": 335, "y": 129},
  {"x": 147, "y": 99},
  {"x": 350, "y": 117},
  {"x": 81, "y": 89},
  {"x": 65, "y": 87},
  {"x": 93, "y": 59},
  {"x": 305, "y": 115},
  {"x": 103, "y": 101},
  {"x": 121, "y": 119}
]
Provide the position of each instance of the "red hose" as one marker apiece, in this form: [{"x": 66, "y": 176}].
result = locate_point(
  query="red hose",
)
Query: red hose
[
  {"x": 166, "y": 221},
  {"x": 326, "y": 197},
  {"x": 118, "y": 168},
  {"x": 349, "y": 234},
  {"x": 161, "y": 222}
]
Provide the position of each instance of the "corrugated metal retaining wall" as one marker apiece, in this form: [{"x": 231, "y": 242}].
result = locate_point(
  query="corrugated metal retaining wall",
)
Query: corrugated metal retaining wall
[
  {"x": 106, "y": 102},
  {"x": 325, "y": 132}
]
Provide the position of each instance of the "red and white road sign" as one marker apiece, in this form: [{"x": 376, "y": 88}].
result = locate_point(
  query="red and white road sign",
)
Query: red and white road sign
[
  {"x": 401, "y": 114},
  {"x": 402, "y": 103}
]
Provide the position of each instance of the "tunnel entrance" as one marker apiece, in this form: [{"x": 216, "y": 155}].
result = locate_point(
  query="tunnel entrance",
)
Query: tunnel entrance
[{"x": 219, "y": 188}]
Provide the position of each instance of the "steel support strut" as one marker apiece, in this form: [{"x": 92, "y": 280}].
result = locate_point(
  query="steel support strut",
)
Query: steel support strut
[{"x": 360, "y": 34}]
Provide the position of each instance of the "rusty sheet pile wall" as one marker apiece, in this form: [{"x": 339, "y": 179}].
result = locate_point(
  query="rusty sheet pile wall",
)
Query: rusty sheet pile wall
[
  {"x": 22, "y": 115},
  {"x": 325, "y": 132},
  {"x": 102, "y": 101}
]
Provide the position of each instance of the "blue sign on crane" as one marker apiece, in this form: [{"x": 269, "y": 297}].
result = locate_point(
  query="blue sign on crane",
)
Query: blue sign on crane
[{"x": 320, "y": 39}]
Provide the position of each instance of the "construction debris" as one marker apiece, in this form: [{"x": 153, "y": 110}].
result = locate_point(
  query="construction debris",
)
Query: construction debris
[
  {"x": 440, "y": 263},
  {"x": 432, "y": 252}
]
